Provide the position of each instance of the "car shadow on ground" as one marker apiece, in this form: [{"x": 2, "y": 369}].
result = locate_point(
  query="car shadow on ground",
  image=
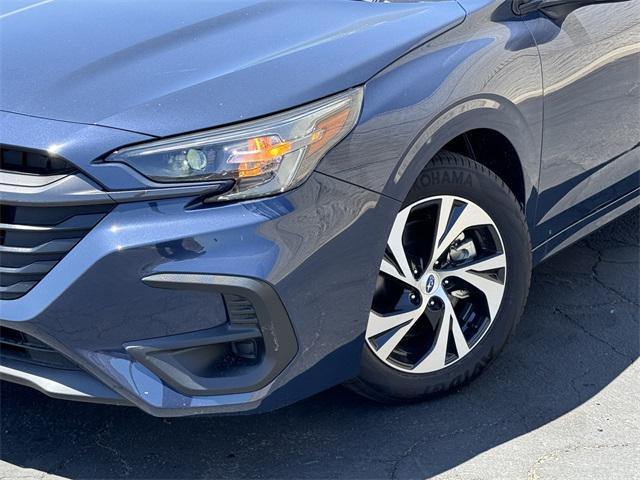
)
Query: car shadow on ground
[{"x": 579, "y": 332}]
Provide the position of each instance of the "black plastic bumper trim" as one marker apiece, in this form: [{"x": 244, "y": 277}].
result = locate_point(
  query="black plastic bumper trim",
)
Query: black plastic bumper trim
[{"x": 274, "y": 328}]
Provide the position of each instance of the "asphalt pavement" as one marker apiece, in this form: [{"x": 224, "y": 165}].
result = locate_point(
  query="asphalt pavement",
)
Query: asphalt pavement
[{"x": 561, "y": 402}]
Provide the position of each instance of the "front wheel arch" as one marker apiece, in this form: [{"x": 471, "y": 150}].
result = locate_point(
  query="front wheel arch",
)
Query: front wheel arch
[{"x": 490, "y": 113}]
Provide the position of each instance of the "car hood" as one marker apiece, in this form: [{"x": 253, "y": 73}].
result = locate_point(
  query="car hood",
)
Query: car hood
[{"x": 167, "y": 67}]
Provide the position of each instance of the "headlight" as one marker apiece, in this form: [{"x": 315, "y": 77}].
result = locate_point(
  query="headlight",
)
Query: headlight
[{"x": 263, "y": 157}]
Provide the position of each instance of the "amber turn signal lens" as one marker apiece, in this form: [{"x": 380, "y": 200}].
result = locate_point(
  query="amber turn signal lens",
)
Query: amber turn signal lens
[
  {"x": 259, "y": 155},
  {"x": 326, "y": 129}
]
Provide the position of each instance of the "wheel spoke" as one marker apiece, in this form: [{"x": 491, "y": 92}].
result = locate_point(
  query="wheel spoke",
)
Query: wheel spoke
[
  {"x": 444, "y": 212},
  {"x": 382, "y": 323},
  {"x": 492, "y": 289},
  {"x": 470, "y": 216},
  {"x": 435, "y": 359},
  {"x": 387, "y": 267},
  {"x": 397, "y": 248},
  {"x": 385, "y": 350},
  {"x": 490, "y": 263},
  {"x": 462, "y": 347},
  {"x": 379, "y": 324}
]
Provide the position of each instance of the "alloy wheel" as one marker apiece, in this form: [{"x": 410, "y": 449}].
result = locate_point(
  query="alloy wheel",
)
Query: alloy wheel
[{"x": 440, "y": 287}]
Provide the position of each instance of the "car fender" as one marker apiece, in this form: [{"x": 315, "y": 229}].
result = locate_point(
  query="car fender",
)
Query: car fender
[{"x": 483, "y": 74}]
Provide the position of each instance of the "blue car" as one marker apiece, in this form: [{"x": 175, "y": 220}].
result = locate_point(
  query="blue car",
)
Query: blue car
[{"x": 228, "y": 206}]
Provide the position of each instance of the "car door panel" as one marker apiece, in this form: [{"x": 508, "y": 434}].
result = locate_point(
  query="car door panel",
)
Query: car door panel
[{"x": 591, "y": 67}]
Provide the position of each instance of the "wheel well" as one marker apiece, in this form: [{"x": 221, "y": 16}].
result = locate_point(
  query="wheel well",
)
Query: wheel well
[{"x": 494, "y": 151}]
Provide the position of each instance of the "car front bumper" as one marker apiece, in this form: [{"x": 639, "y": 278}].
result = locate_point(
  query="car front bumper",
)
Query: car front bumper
[{"x": 308, "y": 255}]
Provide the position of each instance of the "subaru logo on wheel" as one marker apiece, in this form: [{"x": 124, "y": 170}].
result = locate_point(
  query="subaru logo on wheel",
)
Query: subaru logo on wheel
[{"x": 431, "y": 283}]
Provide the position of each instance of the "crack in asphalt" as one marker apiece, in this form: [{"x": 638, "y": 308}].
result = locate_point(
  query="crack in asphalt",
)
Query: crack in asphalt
[
  {"x": 479, "y": 426},
  {"x": 594, "y": 274},
  {"x": 115, "y": 452},
  {"x": 592, "y": 335}
]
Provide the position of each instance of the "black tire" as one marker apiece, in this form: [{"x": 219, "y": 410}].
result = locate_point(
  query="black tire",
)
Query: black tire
[{"x": 453, "y": 174}]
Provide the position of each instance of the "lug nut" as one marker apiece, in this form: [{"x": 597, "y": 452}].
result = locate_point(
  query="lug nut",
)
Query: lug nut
[
  {"x": 413, "y": 298},
  {"x": 435, "y": 303}
]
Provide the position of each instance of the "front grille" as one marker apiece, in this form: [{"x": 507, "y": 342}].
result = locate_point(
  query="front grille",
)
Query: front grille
[
  {"x": 33, "y": 162},
  {"x": 34, "y": 239},
  {"x": 20, "y": 346}
]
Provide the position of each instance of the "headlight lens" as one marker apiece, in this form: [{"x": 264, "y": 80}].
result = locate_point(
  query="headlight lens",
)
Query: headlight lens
[{"x": 263, "y": 157}]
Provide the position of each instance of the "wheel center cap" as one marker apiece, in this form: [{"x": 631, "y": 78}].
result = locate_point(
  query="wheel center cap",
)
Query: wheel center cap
[{"x": 431, "y": 282}]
